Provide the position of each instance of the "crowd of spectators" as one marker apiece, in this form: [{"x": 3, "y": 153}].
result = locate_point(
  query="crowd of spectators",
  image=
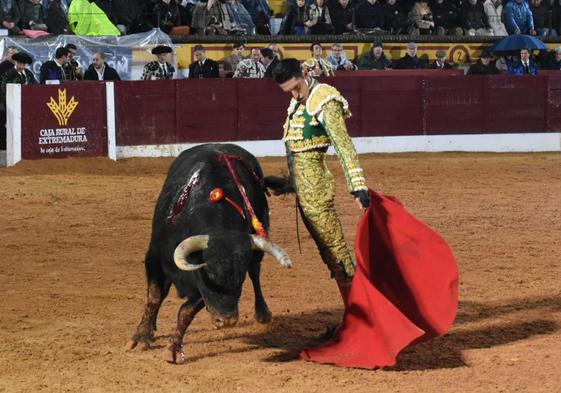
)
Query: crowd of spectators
[{"x": 248, "y": 17}]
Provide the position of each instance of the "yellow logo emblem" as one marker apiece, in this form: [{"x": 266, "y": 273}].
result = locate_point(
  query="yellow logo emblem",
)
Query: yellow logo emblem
[{"x": 62, "y": 109}]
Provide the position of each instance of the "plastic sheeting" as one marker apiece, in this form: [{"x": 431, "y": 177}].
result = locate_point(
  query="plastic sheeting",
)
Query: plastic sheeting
[{"x": 127, "y": 54}]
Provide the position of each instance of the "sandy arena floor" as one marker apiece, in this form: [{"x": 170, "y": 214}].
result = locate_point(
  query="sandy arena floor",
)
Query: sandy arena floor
[{"x": 72, "y": 284}]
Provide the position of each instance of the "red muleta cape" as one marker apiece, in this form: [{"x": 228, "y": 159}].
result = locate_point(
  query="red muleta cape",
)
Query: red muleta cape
[{"x": 405, "y": 289}]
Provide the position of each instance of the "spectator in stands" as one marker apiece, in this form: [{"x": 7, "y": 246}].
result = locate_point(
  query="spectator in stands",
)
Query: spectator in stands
[
  {"x": 222, "y": 17},
  {"x": 275, "y": 48},
  {"x": 54, "y": 69},
  {"x": 556, "y": 16},
  {"x": 71, "y": 68},
  {"x": 56, "y": 20},
  {"x": 410, "y": 61},
  {"x": 8, "y": 62},
  {"x": 203, "y": 67},
  {"x": 252, "y": 67},
  {"x": 166, "y": 15},
  {"x": 128, "y": 16},
  {"x": 316, "y": 65},
  {"x": 99, "y": 70},
  {"x": 483, "y": 66},
  {"x": 541, "y": 12},
  {"x": 494, "y": 11},
  {"x": 473, "y": 19},
  {"x": 159, "y": 69},
  {"x": 294, "y": 22},
  {"x": 553, "y": 61},
  {"x": 19, "y": 74},
  {"x": 518, "y": 18},
  {"x": 269, "y": 60},
  {"x": 440, "y": 62},
  {"x": 395, "y": 20},
  {"x": 260, "y": 13},
  {"x": 338, "y": 59},
  {"x": 370, "y": 16},
  {"x": 446, "y": 17},
  {"x": 32, "y": 15},
  {"x": 375, "y": 59},
  {"x": 233, "y": 60},
  {"x": 525, "y": 66},
  {"x": 9, "y": 15},
  {"x": 421, "y": 19},
  {"x": 319, "y": 21},
  {"x": 342, "y": 16}
]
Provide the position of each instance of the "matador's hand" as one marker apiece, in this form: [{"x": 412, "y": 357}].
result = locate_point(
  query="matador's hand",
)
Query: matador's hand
[{"x": 362, "y": 197}]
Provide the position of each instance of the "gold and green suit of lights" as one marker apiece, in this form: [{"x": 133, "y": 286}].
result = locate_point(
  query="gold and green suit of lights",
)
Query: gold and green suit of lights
[{"x": 309, "y": 130}]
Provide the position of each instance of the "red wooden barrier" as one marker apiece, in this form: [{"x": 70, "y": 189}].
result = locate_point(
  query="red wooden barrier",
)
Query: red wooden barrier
[{"x": 200, "y": 110}]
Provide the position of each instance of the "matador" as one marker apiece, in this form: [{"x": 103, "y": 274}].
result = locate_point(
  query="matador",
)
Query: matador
[{"x": 315, "y": 121}]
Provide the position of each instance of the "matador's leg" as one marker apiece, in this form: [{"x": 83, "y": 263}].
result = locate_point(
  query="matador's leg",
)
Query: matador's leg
[{"x": 315, "y": 188}]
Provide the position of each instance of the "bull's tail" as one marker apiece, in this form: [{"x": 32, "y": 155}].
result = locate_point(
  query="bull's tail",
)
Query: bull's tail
[{"x": 279, "y": 185}]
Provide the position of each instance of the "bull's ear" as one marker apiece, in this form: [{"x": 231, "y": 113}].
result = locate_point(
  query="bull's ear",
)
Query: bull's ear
[
  {"x": 279, "y": 185},
  {"x": 188, "y": 246}
]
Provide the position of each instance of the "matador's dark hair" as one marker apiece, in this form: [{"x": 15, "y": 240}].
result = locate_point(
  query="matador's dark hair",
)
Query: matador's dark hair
[{"x": 286, "y": 70}]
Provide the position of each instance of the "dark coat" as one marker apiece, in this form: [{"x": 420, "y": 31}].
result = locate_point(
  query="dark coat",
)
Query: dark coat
[
  {"x": 208, "y": 70},
  {"x": 447, "y": 66},
  {"x": 370, "y": 15},
  {"x": 12, "y": 76},
  {"x": 109, "y": 74},
  {"x": 481, "y": 69},
  {"x": 166, "y": 16},
  {"x": 369, "y": 62},
  {"x": 272, "y": 65},
  {"x": 408, "y": 63},
  {"x": 394, "y": 18},
  {"x": 341, "y": 17},
  {"x": 445, "y": 15},
  {"x": 50, "y": 71},
  {"x": 473, "y": 16}
]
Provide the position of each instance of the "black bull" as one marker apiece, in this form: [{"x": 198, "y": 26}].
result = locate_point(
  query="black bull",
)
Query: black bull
[{"x": 205, "y": 247}]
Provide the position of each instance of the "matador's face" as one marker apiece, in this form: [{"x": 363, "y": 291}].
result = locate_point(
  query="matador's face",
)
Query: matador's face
[{"x": 298, "y": 87}]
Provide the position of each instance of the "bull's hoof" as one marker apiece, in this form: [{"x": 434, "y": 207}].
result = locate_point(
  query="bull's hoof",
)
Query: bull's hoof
[
  {"x": 264, "y": 316},
  {"x": 144, "y": 344},
  {"x": 174, "y": 354}
]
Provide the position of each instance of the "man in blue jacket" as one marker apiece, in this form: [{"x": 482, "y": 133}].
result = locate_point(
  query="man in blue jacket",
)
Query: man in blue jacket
[
  {"x": 525, "y": 66},
  {"x": 518, "y": 18}
]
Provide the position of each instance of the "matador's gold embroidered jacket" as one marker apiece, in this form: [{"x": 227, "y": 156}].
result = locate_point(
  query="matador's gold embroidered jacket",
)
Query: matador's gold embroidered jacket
[{"x": 321, "y": 123}]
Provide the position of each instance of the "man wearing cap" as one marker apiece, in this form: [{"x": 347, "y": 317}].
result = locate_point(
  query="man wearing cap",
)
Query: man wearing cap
[
  {"x": 315, "y": 121},
  {"x": 203, "y": 67},
  {"x": 18, "y": 74},
  {"x": 440, "y": 62},
  {"x": 375, "y": 59},
  {"x": 159, "y": 69},
  {"x": 410, "y": 61},
  {"x": 483, "y": 66}
]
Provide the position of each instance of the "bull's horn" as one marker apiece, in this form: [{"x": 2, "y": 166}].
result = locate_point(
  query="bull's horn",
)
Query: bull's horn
[
  {"x": 188, "y": 246},
  {"x": 260, "y": 243}
]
